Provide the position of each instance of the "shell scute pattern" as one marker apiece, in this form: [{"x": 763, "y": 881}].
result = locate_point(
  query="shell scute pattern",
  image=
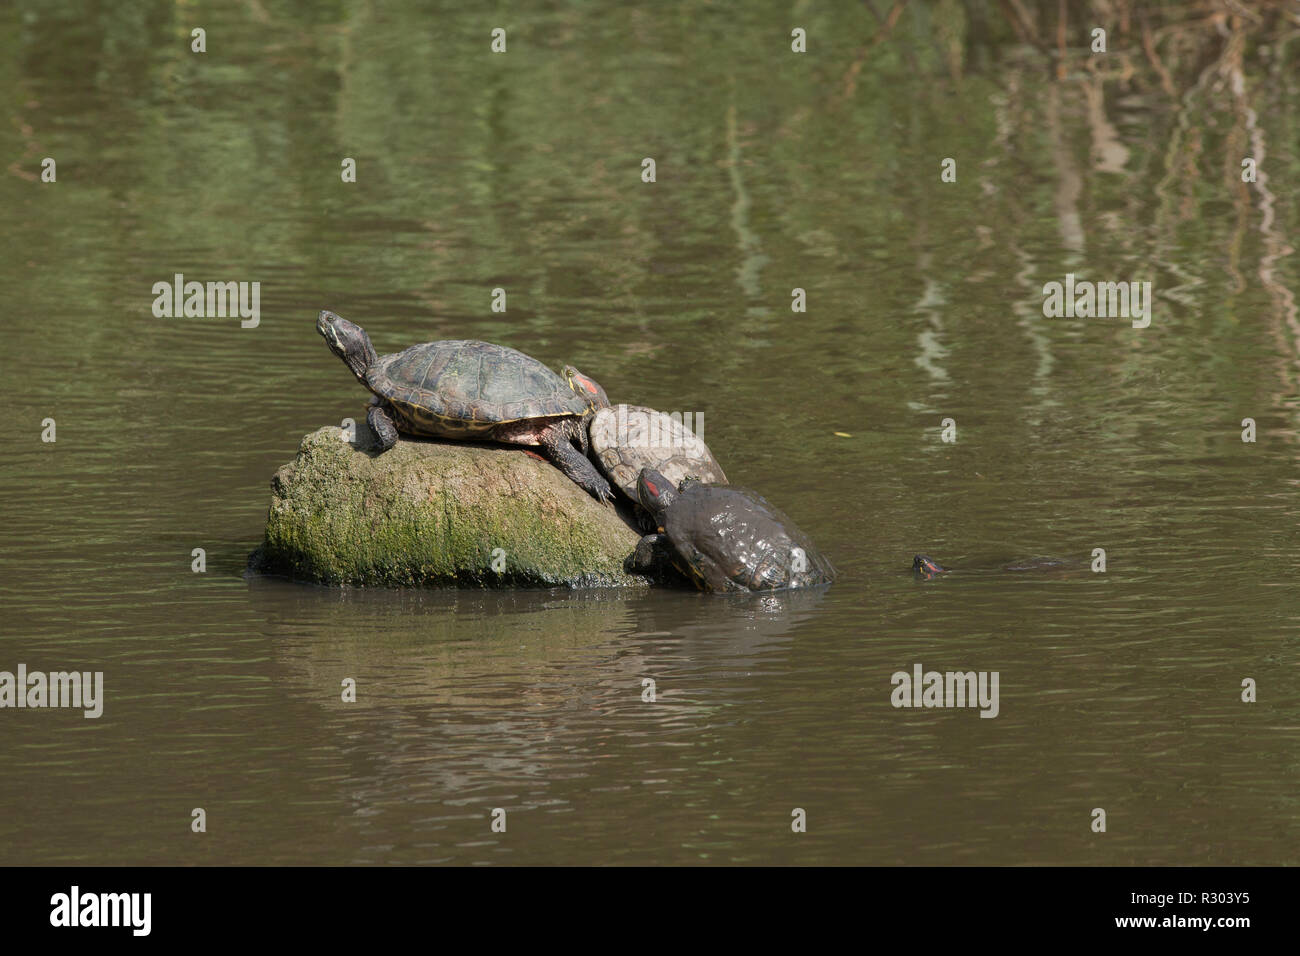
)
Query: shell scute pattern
[
  {"x": 465, "y": 388},
  {"x": 627, "y": 438}
]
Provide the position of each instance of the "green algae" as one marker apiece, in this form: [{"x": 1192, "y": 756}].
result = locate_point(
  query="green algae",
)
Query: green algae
[{"x": 429, "y": 514}]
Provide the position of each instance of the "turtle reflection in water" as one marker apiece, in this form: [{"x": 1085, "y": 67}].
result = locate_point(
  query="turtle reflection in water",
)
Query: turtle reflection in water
[
  {"x": 724, "y": 538},
  {"x": 926, "y": 568}
]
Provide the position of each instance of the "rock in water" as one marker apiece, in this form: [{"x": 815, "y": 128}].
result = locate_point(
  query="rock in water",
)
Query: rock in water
[{"x": 430, "y": 513}]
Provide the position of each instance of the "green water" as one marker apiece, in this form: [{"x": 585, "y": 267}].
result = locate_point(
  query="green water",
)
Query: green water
[{"x": 1119, "y": 690}]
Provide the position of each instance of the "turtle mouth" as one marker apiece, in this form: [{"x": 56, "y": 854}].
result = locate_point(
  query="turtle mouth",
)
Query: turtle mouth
[
  {"x": 324, "y": 325},
  {"x": 328, "y": 329}
]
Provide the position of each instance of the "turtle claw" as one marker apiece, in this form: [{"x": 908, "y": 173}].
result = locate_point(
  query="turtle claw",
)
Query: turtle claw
[{"x": 605, "y": 494}]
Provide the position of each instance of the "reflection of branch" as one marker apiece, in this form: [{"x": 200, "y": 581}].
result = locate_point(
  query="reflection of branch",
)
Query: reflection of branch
[
  {"x": 1242, "y": 10},
  {"x": 886, "y": 28},
  {"x": 1069, "y": 184},
  {"x": 1022, "y": 21},
  {"x": 1149, "y": 48},
  {"x": 1028, "y": 317},
  {"x": 904, "y": 46},
  {"x": 1108, "y": 151},
  {"x": 1234, "y": 145},
  {"x": 30, "y": 148},
  {"x": 1060, "y": 39},
  {"x": 752, "y": 259},
  {"x": 1275, "y": 243}
]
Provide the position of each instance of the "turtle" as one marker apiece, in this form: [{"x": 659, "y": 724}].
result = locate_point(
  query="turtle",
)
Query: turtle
[
  {"x": 927, "y": 568},
  {"x": 627, "y": 438},
  {"x": 471, "y": 390},
  {"x": 586, "y": 386},
  {"x": 724, "y": 538}
]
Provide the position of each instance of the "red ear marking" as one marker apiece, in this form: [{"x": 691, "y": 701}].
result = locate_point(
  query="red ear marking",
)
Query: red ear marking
[{"x": 651, "y": 485}]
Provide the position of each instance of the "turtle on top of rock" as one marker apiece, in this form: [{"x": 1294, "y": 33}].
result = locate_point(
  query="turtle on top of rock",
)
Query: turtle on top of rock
[
  {"x": 464, "y": 389},
  {"x": 721, "y": 538}
]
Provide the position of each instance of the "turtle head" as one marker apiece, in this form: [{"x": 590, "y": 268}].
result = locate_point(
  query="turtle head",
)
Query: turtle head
[
  {"x": 586, "y": 387},
  {"x": 348, "y": 341},
  {"x": 926, "y": 567},
  {"x": 656, "y": 494}
]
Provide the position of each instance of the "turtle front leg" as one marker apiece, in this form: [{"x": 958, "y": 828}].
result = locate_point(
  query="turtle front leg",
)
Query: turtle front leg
[
  {"x": 653, "y": 555},
  {"x": 557, "y": 444},
  {"x": 655, "y": 558},
  {"x": 644, "y": 519},
  {"x": 381, "y": 423}
]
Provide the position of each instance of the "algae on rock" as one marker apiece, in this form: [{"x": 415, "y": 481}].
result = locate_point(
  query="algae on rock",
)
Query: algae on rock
[{"x": 430, "y": 513}]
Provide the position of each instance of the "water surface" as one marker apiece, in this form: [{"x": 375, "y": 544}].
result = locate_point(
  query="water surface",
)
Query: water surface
[{"x": 522, "y": 171}]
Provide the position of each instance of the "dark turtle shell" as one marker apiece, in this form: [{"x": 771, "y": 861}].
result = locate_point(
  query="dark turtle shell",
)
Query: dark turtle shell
[
  {"x": 728, "y": 538},
  {"x": 464, "y": 388},
  {"x": 627, "y": 438}
]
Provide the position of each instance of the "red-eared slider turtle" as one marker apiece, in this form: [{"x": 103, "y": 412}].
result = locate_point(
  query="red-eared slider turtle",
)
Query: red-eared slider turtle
[
  {"x": 724, "y": 538},
  {"x": 926, "y": 567},
  {"x": 628, "y": 438},
  {"x": 586, "y": 387},
  {"x": 470, "y": 390}
]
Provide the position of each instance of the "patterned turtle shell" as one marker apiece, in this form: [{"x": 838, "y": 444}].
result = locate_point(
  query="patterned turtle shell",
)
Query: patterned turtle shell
[
  {"x": 627, "y": 438},
  {"x": 467, "y": 388}
]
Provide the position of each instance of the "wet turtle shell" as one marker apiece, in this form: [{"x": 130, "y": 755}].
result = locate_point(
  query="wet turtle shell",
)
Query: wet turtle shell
[
  {"x": 627, "y": 438},
  {"x": 465, "y": 389},
  {"x": 730, "y": 539}
]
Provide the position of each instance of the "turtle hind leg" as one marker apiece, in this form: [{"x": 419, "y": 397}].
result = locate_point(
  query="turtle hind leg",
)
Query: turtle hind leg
[
  {"x": 710, "y": 576},
  {"x": 381, "y": 423},
  {"x": 557, "y": 444}
]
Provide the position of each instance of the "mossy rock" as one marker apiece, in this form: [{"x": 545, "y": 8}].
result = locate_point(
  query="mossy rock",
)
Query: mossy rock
[{"x": 430, "y": 513}]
